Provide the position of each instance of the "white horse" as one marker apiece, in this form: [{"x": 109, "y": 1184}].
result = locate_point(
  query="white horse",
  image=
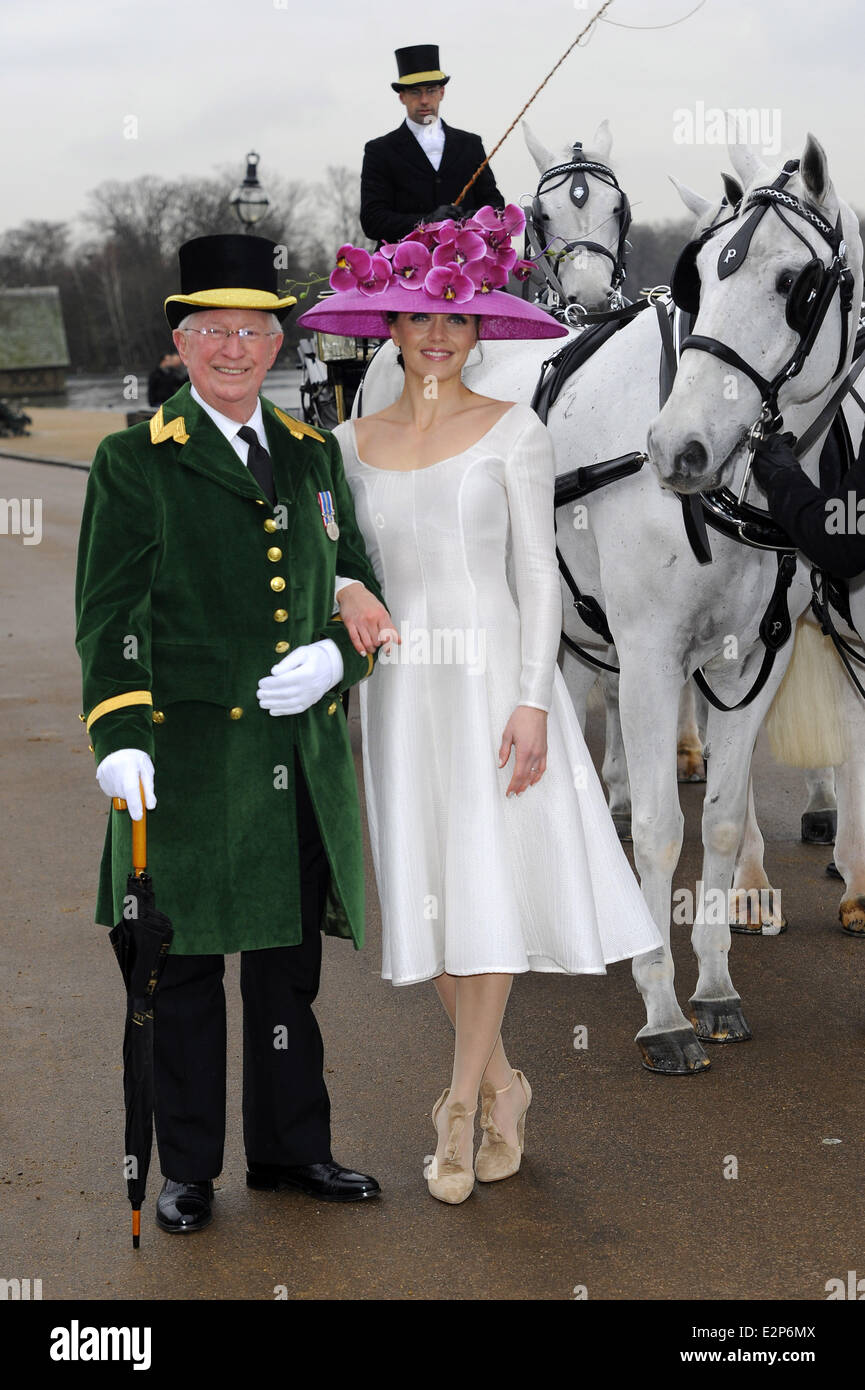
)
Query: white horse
[
  {"x": 725, "y": 463},
  {"x": 667, "y": 614}
]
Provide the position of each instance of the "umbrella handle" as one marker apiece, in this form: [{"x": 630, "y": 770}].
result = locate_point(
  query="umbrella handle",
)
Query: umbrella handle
[{"x": 139, "y": 833}]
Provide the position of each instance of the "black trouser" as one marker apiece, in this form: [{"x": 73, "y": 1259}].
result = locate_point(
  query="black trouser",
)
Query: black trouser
[{"x": 286, "y": 1108}]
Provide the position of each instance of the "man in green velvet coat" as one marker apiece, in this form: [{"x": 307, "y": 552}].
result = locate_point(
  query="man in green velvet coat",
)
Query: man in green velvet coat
[{"x": 212, "y": 542}]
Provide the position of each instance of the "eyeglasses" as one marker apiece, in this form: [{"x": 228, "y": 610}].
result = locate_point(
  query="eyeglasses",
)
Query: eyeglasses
[
  {"x": 424, "y": 91},
  {"x": 249, "y": 335}
]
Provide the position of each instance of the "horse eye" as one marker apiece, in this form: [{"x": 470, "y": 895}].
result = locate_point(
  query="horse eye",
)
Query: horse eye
[{"x": 784, "y": 283}]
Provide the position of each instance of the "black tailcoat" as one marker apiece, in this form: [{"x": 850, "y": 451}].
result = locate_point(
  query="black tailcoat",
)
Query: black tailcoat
[{"x": 399, "y": 187}]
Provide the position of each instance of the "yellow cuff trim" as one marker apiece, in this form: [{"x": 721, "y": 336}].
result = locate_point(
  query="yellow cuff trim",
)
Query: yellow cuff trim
[
  {"x": 297, "y": 427},
  {"x": 371, "y": 660},
  {"x": 132, "y": 697},
  {"x": 159, "y": 431}
]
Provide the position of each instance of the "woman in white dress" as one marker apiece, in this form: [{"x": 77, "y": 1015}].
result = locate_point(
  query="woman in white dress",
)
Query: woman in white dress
[{"x": 493, "y": 848}]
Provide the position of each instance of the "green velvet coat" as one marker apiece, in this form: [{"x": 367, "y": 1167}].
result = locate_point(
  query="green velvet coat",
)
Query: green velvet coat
[{"x": 180, "y": 601}]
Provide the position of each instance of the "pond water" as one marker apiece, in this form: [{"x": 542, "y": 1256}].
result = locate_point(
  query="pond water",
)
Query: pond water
[{"x": 91, "y": 392}]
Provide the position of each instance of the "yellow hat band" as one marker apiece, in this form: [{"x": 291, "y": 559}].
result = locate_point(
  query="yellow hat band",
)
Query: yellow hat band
[
  {"x": 236, "y": 298},
  {"x": 412, "y": 79}
]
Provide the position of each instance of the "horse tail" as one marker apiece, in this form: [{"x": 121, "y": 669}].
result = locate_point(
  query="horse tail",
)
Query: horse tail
[{"x": 805, "y": 723}]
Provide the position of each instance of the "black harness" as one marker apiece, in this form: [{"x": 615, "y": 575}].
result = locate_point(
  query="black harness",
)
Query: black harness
[
  {"x": 548, "y": 259},
  {"x": 737, "y": 520},
  {"x": 809, "y": 297}
]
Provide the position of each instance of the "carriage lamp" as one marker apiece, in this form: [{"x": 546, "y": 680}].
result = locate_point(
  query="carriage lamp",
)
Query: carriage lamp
[{"x": 249, "y": 199}]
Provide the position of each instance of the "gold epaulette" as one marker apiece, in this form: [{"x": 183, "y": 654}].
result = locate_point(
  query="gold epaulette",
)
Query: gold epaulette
[
  {"x": 297, "y": 427},
  {"x": 159, "y": 431},
  {"x": 132, "y": 697}
]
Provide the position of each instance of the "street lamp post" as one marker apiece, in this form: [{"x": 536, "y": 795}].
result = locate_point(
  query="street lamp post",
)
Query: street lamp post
[{"x": 249, "y": 199}]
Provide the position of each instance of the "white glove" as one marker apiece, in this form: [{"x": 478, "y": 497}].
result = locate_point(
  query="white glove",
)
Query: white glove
[
  {"x": 301, "y": 678},
  {"x": 118, "y": 775}
]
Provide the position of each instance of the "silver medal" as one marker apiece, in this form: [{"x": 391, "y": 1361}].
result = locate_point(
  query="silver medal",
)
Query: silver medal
[{"x": 332, "y": 530}]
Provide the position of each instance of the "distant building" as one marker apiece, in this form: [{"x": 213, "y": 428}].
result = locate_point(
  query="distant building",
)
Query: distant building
[{"x": 34, "y": 355}]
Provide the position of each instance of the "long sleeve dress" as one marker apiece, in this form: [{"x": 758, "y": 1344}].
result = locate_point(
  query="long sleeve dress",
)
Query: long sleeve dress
[{"x": 472, "y": 881}]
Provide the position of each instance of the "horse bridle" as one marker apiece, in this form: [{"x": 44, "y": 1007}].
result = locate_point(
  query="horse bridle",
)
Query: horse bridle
[
  {"x": 809, "y": 297},
  {"x": 547, "y": 259}
]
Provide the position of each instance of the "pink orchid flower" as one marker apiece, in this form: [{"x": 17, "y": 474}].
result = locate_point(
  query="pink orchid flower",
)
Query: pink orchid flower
[
  {"x": 505, "y": 256},
  {"x": 352, "y": 264},
  {"x": 424, "y": 234},
  {"x": 486, "y": 275},
  {"x": 460, "y": 249},
  {"x": 380, "y": 276},
  {"x": 523, "y": 269},
  {"x": 411, "y": 262},
  {"x": 449, "y": 282},
  {"x": 509, "y": 220}
]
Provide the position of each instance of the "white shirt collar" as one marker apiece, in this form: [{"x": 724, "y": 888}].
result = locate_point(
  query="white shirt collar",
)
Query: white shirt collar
[
  {"x": 230, "y": 427},
  {"x": 425, "y": 132}
]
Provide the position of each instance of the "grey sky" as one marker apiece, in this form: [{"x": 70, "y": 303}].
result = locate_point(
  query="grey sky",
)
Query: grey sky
[{"x": 306, "y": 82}]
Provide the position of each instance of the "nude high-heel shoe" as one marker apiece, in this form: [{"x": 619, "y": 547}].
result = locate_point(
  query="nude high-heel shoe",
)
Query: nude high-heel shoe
[
  {"x": 448, "y": 1180},
  {"x": 497, "y": 1159}
]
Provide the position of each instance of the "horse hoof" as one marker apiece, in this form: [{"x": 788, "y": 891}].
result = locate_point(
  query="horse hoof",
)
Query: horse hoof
[
  {"x": 758, "y": 923},
  {"x": 719, "y": 1020},
  {"x": 677, "y": 1052},
  {"x": 689, "y": 765},
  {"x": 851, "y": 914},
  {"x": 622, "y": 822},
  {"x": 832, "y": 869},
  {"x": 819, "y": 827}
]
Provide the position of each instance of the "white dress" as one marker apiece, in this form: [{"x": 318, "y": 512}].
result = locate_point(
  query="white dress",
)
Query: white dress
[{"x": 472, "y": 881}]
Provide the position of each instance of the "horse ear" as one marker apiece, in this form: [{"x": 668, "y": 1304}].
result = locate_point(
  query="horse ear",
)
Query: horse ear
[
  {"x": 733, "y": 190},
  {"x": 540, "y": 154},
  {"x": 814, "y": 168},
  {"x": 694, "y": 202},
  {"x": 603, "y": 142},
  {"x": 746, "y": 161}
]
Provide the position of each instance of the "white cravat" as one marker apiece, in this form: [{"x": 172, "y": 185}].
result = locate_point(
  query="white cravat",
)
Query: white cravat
[{"x": 431, "y": 139}]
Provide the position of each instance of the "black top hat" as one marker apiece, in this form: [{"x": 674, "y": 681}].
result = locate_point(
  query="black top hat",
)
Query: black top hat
[
  {"x": 419, "y": 64},
  {"x": 227, "y": 272}
]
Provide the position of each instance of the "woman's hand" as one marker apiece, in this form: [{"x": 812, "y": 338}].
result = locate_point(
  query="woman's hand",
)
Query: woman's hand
[
  {"x": 367, "y": 621},
  {"x": 526, "y": 732}
]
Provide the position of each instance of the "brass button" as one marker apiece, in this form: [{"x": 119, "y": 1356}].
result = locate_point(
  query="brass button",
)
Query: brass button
[
  {"x": 274, "y": 553},
  {"x": 332, "y": 708},
  {"x": 270, "y": 526},
  {"x": 235, "y": 713},
  {"x": 92, "y": 749},
  {"x": 158, "y": 717},
  {"x": 277, "y": 583},
  {"x": 259, "y": 503},
  {"x": 280, "y": 615},
  {"x": 82, "y": 718},
  {"x": 282, "y": 646}
]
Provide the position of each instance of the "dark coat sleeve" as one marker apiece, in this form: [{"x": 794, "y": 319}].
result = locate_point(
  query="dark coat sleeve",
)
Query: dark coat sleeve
[
  {"x": 118, "y": 553},
  {"x": 378, "y": 217},
  {"x": 818, "y": 520},
  {"x": 483, "y": 191}
]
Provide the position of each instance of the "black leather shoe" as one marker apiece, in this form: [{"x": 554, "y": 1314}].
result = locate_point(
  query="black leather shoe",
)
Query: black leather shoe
[
  {"x": 184, "y": 1206},
  {"x": 328, "y": 1181}
]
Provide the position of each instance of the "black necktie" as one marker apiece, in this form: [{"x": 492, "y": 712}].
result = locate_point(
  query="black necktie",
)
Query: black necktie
[{"x": 258, "y": 461}]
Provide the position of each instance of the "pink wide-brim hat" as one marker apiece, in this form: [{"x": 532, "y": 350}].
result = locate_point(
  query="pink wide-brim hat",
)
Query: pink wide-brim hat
[{"x": 354, "y": 314}]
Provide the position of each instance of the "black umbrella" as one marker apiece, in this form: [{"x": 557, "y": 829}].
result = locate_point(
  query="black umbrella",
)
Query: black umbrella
[{"x": 141, "y": 941}]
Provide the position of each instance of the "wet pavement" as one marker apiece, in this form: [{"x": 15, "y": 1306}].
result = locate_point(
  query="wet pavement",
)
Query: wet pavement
[{"x": 622, "y": 1194}]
